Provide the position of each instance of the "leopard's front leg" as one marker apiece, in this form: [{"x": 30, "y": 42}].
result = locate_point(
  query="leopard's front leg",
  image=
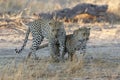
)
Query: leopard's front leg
[
  {"x": 62, "y": 47},
  {"x": 52, "y": 47}
]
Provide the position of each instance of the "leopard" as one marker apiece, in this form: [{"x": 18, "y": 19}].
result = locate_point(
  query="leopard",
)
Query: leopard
[
  {"x": 50, "y": 29},
  {"x": 75, "y": 42}
]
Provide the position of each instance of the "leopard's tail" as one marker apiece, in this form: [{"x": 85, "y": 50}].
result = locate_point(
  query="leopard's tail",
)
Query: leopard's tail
[{"x": 25, "y": 41}]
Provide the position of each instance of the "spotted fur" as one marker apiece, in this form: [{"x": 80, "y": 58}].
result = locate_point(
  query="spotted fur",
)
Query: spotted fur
[
  {"x": 42, "y": 28},
  {"x": 75, "y": 41}
]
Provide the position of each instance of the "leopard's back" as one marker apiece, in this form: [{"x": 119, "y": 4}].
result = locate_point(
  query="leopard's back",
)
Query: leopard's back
[{"x": 39, "y": 27}]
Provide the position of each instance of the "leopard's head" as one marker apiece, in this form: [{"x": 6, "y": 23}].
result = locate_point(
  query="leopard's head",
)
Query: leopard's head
[
  {"x": 56, "y": 28},
  {"x": 81, "y": 37}
]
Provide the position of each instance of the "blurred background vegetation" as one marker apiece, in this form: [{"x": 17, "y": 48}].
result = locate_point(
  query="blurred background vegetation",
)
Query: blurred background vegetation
[
  {"x": 37, "y": 6},
  {"x": 10, "y": 8}
]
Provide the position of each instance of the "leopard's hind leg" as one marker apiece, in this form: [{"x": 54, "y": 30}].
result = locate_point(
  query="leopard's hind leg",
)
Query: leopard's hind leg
[{"x": 35, "y": 44}]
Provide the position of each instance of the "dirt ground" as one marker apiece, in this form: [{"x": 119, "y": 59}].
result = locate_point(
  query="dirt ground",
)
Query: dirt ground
[{"x": 101, "y": 61}]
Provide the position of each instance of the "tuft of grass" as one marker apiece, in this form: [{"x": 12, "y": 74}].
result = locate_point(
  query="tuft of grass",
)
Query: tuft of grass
[{"x": 45, "y": 69}]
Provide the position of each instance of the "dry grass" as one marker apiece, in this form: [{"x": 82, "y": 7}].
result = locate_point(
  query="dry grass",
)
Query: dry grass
[{"x": 45, "y": 69}]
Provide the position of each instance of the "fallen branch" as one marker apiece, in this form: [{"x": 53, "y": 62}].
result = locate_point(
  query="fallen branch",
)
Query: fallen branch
[{"x": 71, "y": 13}]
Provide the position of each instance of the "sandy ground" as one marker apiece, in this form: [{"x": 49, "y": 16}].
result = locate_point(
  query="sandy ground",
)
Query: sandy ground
[{"x": 104, "y": 45}]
